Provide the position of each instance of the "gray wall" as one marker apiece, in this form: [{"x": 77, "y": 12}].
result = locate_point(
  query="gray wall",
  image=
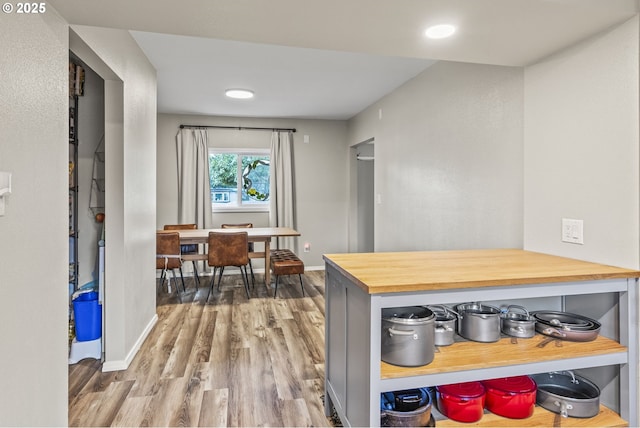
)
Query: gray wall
[
  {"x": 320, "y": 174},
  {"x": 34, "y": 229},
  {"x": 449, "y": 166},
  {"x": 581, "y": 148}
]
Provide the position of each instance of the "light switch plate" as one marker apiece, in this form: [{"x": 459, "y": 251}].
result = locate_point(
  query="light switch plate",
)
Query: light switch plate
[{"x": 572, "y": 231}]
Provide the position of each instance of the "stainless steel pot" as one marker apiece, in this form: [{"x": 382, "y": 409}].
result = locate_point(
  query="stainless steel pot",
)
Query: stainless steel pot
[
  {"x": 517, "y": 324},
  {"x": 478, "y": 322},
  {"x": 566, "y": 326},
  {"x": 446, "y": 320},
  {"x": 407, "y": 337},
  {"x": 567, "y": 394}
]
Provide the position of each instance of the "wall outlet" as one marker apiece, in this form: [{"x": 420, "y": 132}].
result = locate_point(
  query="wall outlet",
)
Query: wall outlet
[
  {"x": 307, "y": 247},
  {"x": 572, "y": 231}
]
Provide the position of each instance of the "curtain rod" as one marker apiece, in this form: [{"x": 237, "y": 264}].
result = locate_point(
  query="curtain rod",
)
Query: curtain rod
[{"x": 239, "y": 128}]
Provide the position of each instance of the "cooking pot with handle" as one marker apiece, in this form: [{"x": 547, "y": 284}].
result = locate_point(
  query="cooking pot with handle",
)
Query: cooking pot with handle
[
  {"x": 407, "y": 337},
  {"x": 445, "y": 324},
  {"x": 462, "y": 402},
  {"x": 478, "y": 322},
  {"x": 518, "y": 322},
  {"x": 511, "y": 397},
  {"x": 408, "y": 408}
]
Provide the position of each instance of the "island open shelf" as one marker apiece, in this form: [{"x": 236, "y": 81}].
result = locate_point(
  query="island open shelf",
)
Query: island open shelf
[
  {"x": 468, "y": 355},
  {"x": 543, "y": 418},
  {"x": 359, "y": 286}
]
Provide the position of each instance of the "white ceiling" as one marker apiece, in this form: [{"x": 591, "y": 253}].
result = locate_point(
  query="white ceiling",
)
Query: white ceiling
[{"x": 329, "y": 58}]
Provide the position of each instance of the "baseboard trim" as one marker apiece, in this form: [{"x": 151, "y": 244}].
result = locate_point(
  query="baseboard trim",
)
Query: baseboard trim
[{"x": 111, "y": 366}]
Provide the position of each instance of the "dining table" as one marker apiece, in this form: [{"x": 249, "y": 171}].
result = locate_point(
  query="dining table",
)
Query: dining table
[{"x": 254, "y": 234}]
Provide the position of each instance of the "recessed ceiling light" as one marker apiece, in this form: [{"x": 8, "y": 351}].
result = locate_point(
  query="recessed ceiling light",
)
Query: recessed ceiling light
[
  {"x": 440, "y": 31},
  {"x": 242, "y": 94}
]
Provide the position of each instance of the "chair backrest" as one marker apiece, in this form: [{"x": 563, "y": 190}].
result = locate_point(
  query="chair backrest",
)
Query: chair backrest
[
  {"x": 239, "y": 226},
  {"x": 228, "y": 248},
  {"x": 168, "y": 250},
  {"x": 236, "y": 225},
  {"x": 180, "y": 226}
]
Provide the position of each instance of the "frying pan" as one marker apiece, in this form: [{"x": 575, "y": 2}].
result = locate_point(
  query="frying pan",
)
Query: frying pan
[{"x": 566, "y": 326}]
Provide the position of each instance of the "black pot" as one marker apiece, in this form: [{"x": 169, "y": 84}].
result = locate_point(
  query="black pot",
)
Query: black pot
[
  {"x": 407, "y": 337},
  {"x": 408, "y": 408},
  {"x": 567, "y": 394}
]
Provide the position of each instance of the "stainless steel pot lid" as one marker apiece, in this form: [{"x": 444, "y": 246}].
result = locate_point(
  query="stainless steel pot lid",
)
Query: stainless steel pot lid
[
  {"x": 408, "y": 315},
  {"x": 477, "y": 308}
]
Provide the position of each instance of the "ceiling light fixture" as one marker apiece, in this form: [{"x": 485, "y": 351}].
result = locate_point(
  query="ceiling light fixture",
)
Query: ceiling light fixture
[
  {"x": 440, "y": 31},
  {"x": 241, "y": 94}
]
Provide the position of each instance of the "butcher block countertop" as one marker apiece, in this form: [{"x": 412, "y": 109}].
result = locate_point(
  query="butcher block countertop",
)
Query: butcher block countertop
[{"x": 395, "y": 272}]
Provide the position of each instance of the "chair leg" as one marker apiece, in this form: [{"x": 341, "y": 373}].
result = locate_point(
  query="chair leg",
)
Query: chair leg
[
  {"x": 173, "y": 271},
  {"x": 195, "y": 272},
  {"x": 245, "y": 279},
  {"x": 162, "y": 276},
  {"x": 211, "y": 284},
  {"x": 301, "y": 286},
  {"x": 253, "y": 278},
  {"x": 219, "y": 276},
  {"x": 184, "y": 289},
  {"x": 275, "y": 293}
]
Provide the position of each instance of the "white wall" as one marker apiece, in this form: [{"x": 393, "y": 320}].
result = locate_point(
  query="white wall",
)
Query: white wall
[
  {"x": 130, "y": 144},
  {"x": 581, "y": 148},
  {"x": 34, "y": 229},
  {"x": 320, "y": 168},
  {"x": 448, "y": 168}
]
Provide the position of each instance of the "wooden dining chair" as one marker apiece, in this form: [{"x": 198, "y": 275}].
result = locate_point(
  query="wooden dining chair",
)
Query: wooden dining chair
[
  {"x": 188, "y": 248},
  {"x": 228, "y": 249},
  {"x": 168, "y": 257},
  {"x": 250, "y": 247}
]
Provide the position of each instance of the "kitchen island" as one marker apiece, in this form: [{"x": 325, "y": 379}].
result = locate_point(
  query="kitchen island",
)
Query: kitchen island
[{"x": 359, "y": 286}]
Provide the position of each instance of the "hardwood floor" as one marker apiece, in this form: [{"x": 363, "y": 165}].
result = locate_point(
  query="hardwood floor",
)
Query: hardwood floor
[{"x": 229, "y": 362}]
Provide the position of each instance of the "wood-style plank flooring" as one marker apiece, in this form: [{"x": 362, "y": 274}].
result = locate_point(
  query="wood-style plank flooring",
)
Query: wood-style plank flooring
[{"x": 229, "y": 362}]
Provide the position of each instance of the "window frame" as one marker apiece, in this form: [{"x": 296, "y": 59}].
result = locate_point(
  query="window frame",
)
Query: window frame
[{"x": 240, "y": 207}]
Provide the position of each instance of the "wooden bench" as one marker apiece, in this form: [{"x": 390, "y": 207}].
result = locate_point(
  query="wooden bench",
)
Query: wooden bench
[{"x": 285, "y": 262}]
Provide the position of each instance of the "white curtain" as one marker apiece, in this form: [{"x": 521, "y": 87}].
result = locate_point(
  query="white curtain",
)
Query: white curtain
[
  {"x": 282, "y": 189},
  {"x": 194, "y": 192}
]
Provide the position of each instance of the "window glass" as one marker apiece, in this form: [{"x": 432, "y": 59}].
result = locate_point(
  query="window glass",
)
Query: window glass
[{"x": 239, "y": 180}]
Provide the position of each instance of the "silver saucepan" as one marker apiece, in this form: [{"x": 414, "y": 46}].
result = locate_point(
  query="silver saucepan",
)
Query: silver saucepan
[
  {"x": 446, "y": 320},
  {"x": 517, "y": 322},
  {"x": 479, "y": 322}
]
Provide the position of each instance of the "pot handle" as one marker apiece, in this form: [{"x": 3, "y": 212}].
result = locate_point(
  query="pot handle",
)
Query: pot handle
[
  {"x": 554, "y": 332},
  {"x": 442, "y": 308},
  {"x": 393, "y": 331},
  {"x": 564, "y": 407},
  {"x": 522, "y": 308}
]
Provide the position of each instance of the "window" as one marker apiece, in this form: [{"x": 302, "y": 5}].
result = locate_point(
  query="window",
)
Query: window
[{"x": 239, "y": 180}]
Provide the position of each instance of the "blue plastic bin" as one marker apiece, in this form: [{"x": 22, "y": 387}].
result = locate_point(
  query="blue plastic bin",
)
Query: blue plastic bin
[{"x": 87, "y": 316}]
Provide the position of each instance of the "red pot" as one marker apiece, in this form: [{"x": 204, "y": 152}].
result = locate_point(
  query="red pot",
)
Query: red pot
[
  {"x": 511, "y": 397},
  {"x": 461, "y": 402}
]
